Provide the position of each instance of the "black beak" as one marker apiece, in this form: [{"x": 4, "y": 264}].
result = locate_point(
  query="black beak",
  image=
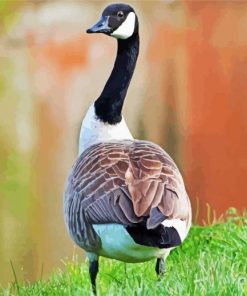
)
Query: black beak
[{"x": 101, "y": 26}]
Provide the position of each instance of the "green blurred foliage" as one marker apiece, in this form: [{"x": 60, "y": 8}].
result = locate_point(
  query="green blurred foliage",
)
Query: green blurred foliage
[
  {"x": 15, "y": 184},
  {"x": 9, "y": 14}
]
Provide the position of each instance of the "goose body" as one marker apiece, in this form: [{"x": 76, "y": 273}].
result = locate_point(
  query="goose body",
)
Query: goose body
[
  {"x": 116, "y": 243},
  {"x": 125, "y": 198}
]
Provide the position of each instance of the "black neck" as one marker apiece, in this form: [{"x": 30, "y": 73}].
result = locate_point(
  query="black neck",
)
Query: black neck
[{"x": 108, "y": 107}]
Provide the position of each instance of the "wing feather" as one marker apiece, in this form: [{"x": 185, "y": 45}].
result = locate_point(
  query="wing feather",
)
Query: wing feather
[{"x": 130, "y": 182}]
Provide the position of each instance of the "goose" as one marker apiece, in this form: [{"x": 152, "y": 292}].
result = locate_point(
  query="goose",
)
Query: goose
[{"x": 125, "y": 198}]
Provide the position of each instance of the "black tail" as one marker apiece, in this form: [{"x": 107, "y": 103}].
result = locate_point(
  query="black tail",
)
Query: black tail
[{"x": 160, "y": 237}]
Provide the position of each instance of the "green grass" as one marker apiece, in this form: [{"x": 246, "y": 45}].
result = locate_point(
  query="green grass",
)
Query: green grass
[{"x": 212, "y": 261}]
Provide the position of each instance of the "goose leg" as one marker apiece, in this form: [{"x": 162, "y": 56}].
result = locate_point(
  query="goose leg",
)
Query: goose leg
[
  {"x": 160, "y": 266},
  {"x": 93, "y": 270}
]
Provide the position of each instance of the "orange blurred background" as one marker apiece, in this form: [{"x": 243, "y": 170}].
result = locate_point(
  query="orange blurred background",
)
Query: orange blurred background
[{"x": 188, "y": 94}]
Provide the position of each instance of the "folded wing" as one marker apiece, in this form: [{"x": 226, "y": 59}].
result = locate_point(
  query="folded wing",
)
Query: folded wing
[{"x": 129, "y": 182}]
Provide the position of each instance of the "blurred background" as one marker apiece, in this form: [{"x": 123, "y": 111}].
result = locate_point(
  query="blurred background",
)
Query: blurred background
[{"x": 188, "y": 94}]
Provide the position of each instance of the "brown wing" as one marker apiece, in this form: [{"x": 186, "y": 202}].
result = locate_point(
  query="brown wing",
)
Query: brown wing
[{"x": 129, "y": 182}]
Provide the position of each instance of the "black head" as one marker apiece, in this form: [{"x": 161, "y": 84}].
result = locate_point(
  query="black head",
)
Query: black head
[{"x": 117, "y": 20}]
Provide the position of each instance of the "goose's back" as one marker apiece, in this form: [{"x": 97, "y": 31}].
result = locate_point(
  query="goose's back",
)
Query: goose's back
[{"x": 125, "y": 182}]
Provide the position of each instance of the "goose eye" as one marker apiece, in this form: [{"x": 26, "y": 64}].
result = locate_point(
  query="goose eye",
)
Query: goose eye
[{"x": 120, "y": 14}]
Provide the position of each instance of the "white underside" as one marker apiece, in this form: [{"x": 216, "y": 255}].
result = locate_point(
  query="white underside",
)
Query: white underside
[{"x": 118, "y": 244}]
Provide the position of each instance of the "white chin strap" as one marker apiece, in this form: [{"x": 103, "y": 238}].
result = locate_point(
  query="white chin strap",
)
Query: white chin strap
[{"x": 126, "y": 29}]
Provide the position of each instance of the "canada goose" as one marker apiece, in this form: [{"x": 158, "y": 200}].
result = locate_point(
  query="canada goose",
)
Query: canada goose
[{"x": 125, "y": 199}]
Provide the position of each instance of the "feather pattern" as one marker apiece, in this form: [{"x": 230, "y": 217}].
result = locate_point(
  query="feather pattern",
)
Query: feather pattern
[{"x": 124, "y": 182}]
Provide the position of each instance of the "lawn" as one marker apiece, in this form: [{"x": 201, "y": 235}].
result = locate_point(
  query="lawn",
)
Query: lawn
[{"x": 212, "y": 261}]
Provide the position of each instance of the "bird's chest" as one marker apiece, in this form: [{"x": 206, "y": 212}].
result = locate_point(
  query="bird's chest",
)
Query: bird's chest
[
  {"x": 94, "y": 131},
  {"x": 116, "y": 243}
]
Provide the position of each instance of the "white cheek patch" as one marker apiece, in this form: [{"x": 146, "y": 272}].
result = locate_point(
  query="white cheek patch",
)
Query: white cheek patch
[{"x": 127, "y": 27}]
